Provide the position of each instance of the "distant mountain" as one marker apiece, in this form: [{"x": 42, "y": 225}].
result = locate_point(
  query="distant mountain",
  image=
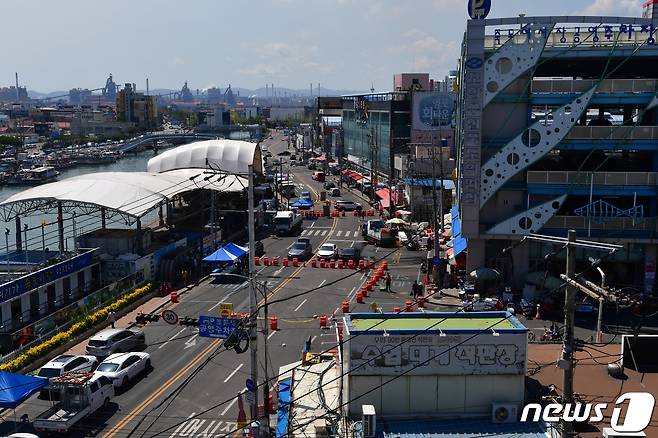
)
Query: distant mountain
[{"x": 39, "y": 95}]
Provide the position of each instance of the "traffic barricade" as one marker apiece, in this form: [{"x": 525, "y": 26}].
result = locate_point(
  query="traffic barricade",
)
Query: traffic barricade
[
  {"x": 346, "y": 307},
  {"x": 274, "y": 323}
]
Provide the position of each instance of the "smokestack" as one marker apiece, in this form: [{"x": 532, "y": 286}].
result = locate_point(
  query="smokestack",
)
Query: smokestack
[
  {"x": 147, "y": 86},
  {"x": 311, "y": 85},
  {"x": 318, "y": 89},
  {"x": 18, "y": 97}
]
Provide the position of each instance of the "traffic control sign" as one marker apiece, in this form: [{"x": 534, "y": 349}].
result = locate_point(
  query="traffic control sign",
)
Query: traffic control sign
[
  {"x": 251, "y": 386},
  {"x": 225, "y": 310},
  {"x": 169, "y": 316},
  {"x": 216, "y": 327}
]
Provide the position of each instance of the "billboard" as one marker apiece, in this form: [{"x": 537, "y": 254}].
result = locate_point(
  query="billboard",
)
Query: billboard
[
  {"x": 432, "y": 110},
  {"x": 432, "y": 354}
]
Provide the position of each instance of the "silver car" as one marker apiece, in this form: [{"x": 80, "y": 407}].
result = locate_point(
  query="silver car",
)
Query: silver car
[{"x": 111, "y": 341}]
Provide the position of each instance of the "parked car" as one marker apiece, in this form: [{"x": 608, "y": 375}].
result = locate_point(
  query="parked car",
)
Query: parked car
[
  {"x": 329, "y": 185},
  {"x": 121, "y": 368},
  {"x": 343, "y": 205},
  {"x": 349, "y": 253},
  {"x": 305, "y": 195},
  {"x": 335, "y": 193},
  {"x": 65, "y": 363},
  {"x": 111, "y": 341},
  {"x": 327, "y": 251},
  {"x": 318, "y": 176},
  {"x": 300, "y": 250}
]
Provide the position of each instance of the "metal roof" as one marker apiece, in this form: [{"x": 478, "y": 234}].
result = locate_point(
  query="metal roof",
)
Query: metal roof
[{"x": 458, "y": 428}]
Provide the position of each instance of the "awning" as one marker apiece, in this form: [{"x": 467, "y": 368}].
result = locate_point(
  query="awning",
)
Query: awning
[
  {"x": 456, "y": 223},
  {"x": 355, "y": 176},
  {"x": 344, "y": 171},
  {"x": 229, "y": 253},
  {"x": 283, "y": 406},
  {"x": 16, "y": 388},
  {"x": 385, "y": 196}
]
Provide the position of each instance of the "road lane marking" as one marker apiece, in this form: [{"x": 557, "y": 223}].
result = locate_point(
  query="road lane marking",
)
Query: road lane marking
[
  {"x": 201, "y": 356},
  {"x": 270, "y": 335},
  {"x": 300, "y": 305},
  {"x": 220, "y": 302},
  {"x": 190, "y": 342},
  {"x": 324, "y": 232},
  {"x": 181, "y": 425},
  {"x": 323, "y": 282},
  {"x": 233, "y": 373},
  {"x": 230, "y": 405},
  {"x": 172, "y": 338},
  {"x": 304, "y": 233},
  {"x": 338, "y": 233}
]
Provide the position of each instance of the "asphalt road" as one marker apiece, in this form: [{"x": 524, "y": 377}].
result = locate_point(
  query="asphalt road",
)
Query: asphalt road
[{"x": 193, "y": 386}]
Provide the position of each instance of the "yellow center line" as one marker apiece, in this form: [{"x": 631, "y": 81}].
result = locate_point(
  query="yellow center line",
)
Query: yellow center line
[{"x": 144, "y": 404}]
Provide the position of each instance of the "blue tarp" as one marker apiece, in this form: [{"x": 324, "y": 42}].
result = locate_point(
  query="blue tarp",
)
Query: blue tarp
[
  {"x": 302, "y": 203},
  {"x": 448, "y": 184},
  {"x": 456, "y": 223},
  {"x": 459, "y": 245},
  {"x": 16, "y": 388},
  {"x": 229, "y": 253},
  {"x": 282, "y": 408}
]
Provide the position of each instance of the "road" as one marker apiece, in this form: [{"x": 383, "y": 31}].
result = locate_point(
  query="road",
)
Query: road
[{"x": 195, "y": 381}]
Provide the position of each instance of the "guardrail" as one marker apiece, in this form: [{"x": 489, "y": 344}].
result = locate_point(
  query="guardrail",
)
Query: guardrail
[
  {"x": 582, "y": 85},
  {"x": 599, "y": 178},
  {"x": 613, "y": 133},
  {"x": 612, "y": 224}
]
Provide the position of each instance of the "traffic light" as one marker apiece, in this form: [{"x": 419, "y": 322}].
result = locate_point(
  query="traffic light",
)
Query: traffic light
[
  {"x": 578, "y": 345},
  {"x": 188, "y": 321}
]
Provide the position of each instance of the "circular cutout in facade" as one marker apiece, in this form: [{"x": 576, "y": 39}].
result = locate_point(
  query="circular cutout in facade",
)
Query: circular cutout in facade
[
  {"x": 504, "y": 66},
  {"x": 531, "y": 137}
]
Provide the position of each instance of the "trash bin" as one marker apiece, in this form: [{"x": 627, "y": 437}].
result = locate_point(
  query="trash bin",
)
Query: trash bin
[
  {"x": 326, "y": 210},
  {"x": 323, "y": 195}
]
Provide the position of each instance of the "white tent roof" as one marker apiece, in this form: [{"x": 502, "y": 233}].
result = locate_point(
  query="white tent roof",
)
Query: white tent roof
[
  {"x": 231, "y": 156},
  {"x": 131, "y": 194}
]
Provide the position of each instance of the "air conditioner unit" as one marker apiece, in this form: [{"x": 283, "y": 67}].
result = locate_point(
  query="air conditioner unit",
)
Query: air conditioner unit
[
  {"x": 368, "y": 419},
  {"x": 504, "y": 413}
]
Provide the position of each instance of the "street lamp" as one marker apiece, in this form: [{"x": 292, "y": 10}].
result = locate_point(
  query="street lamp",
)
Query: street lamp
[{"x": 7, "y": 251}]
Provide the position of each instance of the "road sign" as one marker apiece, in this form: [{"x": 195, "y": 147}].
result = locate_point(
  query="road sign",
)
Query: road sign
[
  {"x": 169, "y": 316},
  {"x": 225, "y": 310},
  {"x": 250, "y": 385},
  {"x": 250, "y": 396},
  {"x": 216, "y": 327}
]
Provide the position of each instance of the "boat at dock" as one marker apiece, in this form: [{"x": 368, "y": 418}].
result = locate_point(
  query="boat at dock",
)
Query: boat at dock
[{"x": 35, "y": 176}]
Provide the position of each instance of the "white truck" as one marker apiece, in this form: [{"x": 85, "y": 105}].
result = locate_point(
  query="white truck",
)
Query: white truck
[
  {"x": 378, "y": 233},
  {"x": 287, "y": 222},
  {"x": 80, "y": 394}
]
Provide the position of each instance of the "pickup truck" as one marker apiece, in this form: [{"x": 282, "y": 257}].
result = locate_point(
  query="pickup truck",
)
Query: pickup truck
[
  {"x": 80, "y": 394},
  {"x": 378, "y": 233},
  {"x": 287, "y": 222}
]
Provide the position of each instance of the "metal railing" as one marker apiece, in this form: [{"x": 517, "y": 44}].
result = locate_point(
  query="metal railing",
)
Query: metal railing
[
  {"x": 599, "y": 178},
  {"x": 582, "y": 85},
  {"x": 613, "y": 133},
  {"x": 611, "y": 224},
  {"x": 64, "y": 317}
]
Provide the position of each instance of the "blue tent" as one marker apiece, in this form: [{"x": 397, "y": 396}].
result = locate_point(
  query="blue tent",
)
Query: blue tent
[
  {"x": 302, "y": 203},
  {"x": 283, "y": 407},
  {"x": 16, "y": 388},
  {"x": 228, "y": 254}
]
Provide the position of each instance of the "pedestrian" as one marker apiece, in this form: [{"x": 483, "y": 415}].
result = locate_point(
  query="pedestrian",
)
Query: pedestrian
[
  {"x": 112, "y": 317},
  {"x": 414, "y": 289},
  {"x": 387, "y": 280}
]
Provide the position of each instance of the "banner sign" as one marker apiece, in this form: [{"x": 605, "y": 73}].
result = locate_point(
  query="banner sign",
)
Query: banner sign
[
  {"x": 605, "y": 33},
  {"x": 47, "y": 275},
  {"x": 439, "y": 355},
  {"x": 432, "y": 110}
]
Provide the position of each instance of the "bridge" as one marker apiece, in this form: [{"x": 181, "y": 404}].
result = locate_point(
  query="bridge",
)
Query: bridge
[{"x": 186, "y": 137}]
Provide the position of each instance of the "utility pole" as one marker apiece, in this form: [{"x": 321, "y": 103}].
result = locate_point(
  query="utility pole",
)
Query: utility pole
[
  {"x": 253, "y": 307},
  {"x": 567, "y": 348},
  {"x": 435, "y": 224}
]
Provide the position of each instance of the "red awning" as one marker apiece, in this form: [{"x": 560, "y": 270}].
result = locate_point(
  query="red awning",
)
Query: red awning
[
  {"x": 385, "y": 196},
  {"x": 355, "y": 176},
  {"x": 344, "y": 171}
]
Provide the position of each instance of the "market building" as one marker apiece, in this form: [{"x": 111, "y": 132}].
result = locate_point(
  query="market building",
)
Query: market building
[{"x": 557, "y": 125}]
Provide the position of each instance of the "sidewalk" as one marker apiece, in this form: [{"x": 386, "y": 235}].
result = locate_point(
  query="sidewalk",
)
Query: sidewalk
[{"x": 154, "y": 305}]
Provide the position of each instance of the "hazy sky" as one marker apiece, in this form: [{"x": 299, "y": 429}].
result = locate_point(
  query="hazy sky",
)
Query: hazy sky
[{"x": 346, "y": 44}]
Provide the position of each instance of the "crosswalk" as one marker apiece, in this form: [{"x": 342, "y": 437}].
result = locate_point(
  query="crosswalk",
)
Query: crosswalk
[{"x": 346, "y": 234}]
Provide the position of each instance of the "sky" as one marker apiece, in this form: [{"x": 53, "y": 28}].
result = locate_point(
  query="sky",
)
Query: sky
[{"x": 343, "y": 44}]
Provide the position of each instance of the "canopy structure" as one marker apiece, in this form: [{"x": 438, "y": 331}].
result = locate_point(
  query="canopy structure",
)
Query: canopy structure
[
  {"x": 16, "y": 388},
  {"x": 232, "y": 156},
  {"x": 228, "y": 254},
  {"x": 128, "y": 194},
  {"x": 302, "y": 203}
]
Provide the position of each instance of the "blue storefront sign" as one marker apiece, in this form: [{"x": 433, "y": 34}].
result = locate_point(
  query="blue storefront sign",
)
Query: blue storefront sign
[
  {"x": 216, "y": 326},
  {"x": 40, "y": 278}
]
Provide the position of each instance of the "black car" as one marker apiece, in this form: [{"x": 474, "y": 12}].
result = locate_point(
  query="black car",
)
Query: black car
[
  {"x": 349, "y": 254},
  {"x": 329, "y": 185}
]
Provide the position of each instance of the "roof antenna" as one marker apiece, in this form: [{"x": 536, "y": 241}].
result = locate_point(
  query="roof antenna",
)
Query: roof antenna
[{"x": 372, "y": 87}]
